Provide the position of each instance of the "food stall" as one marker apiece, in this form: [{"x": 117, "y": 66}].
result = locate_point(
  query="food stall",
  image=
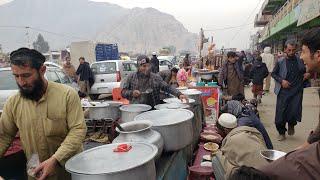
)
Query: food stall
[{"x": 174, "y": 128}]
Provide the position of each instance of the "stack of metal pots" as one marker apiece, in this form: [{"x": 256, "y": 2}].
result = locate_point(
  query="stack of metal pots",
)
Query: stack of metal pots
[{"x": 140, "y": 131}]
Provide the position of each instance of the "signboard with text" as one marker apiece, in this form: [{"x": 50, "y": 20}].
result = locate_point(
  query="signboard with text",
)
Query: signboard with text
[{"x": 310, "y": 9}]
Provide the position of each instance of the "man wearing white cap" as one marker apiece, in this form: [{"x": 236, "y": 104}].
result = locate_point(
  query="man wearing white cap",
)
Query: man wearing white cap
[{"x": 241, "y": 145}]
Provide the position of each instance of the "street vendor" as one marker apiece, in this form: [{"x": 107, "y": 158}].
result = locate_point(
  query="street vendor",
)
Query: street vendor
[
  {"x": 170, "y": 77},
  {"x": 143, "y": 87},
  {"x": 48, "y": 116}
]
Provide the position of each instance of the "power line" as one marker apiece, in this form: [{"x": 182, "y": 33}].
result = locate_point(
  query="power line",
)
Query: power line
[
  {"x": 225, "y": 28},
  {"x": 57, "y": 34},
  {"x": 18, "y": 27},
  {"x": 46, "y": 31},
  {"x": 236, "y": 34}
]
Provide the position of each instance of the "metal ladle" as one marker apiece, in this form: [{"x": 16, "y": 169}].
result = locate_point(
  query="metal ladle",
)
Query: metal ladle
[{"x": 118, "y": 126}]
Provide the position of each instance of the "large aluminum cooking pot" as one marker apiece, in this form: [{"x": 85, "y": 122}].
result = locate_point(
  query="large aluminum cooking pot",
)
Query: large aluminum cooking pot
[
  {"x": 136, "y": 131},
  {"x": 208, "y": 75},
  {"x": 172, "y": 106},
  {"x": 193, "y": 94},
  {"x": 128, "y": 112},
  {"x": 113, "y": 110},
  {"x": 174, "y": 125},
  {"x": 101, "y": 163},
  {"x": 98, "y": 110},
  {"x": 177, "y": 100}
]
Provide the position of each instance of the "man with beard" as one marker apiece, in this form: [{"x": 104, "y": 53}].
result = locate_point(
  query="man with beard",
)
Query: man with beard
[
  {"x": 289, "y": 74},
  {"x": 302, "y": 163},
  {"x": 47, "y": 115},
  {"x": 143, "y": 87}
]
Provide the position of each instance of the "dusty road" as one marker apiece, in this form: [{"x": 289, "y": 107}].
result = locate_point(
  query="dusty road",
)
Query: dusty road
[{"x": 310, "y": 118}]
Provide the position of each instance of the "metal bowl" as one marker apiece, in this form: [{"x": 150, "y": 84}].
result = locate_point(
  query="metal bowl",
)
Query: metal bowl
[{"x": 272, "y": 154}]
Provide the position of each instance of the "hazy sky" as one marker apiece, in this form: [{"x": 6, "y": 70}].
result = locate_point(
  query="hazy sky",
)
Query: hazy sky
[{"x": 209, "y": 14}]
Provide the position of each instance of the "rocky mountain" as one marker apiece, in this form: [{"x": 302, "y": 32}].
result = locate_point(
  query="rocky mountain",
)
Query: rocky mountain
[{"x": 64, "y": 21}]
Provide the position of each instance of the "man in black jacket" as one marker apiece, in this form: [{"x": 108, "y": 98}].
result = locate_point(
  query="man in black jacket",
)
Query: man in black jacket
[
  {"x": 258, "y": 73},
  {"x": 86, "y": 77},
  {"x": 154, "y": 63}
]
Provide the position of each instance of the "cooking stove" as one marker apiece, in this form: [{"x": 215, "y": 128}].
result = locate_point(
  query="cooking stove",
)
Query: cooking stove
[{"x": 106, "y": 126}]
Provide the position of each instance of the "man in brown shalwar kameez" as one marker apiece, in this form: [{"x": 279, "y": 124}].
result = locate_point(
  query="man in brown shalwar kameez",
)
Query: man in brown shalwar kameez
[{"x": 231, "y": 75}]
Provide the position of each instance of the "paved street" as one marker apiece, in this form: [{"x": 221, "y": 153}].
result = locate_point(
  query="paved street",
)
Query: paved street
[{"x": 310, "y": 116}]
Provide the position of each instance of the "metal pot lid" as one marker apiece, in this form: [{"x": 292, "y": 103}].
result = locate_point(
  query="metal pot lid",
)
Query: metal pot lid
[
  {"x": 102, "y": 159},
  {"x": 165, "y": 117},
  {"x": 135, "y": 108},
  {"x": 134, "y": 126},
  {"x": 182, "y": 88},
  {"x": 176, "y": 100},
  {"x": 94, "y": 104},
  {"x": 191, "y": 92},
  {"x": 172, "y": 106},
  {"x": 114, "y": 103}
]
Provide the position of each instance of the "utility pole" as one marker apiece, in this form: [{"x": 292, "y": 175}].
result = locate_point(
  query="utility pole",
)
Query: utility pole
[
  {"x": 201, "y": 34},
  {"x": 28, "y": 36}
]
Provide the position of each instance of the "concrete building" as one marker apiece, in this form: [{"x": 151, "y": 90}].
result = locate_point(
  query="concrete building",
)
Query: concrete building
[{"x": 286, "y": 19}]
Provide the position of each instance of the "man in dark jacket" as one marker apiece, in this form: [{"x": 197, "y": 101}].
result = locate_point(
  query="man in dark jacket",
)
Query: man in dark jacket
[
  {"x": 186, "y": 63},
  {"x": 289, "y": 74},
  {"x": 154, "y": 63},
  {"x": 86, "y": 77},
  {"x": 143, "y": 87},
  {"x": 258, "y": 73},
  {"x": 231, "y": 75}
]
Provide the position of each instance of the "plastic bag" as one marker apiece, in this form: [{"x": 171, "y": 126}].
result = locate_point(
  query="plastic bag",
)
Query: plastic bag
[
  {"x": 122, "y": 148},
  {"x": 32, "y": 164}
]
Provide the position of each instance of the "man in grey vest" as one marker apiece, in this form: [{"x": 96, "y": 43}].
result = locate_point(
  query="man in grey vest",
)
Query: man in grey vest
[{"x": 289, "y": 74}]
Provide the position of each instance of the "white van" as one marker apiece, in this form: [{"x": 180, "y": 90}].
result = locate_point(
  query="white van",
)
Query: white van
[{"x": 108, "y": 75}]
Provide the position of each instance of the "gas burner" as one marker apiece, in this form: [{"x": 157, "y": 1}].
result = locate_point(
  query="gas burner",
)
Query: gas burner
[{"x": 104, "y": 125}]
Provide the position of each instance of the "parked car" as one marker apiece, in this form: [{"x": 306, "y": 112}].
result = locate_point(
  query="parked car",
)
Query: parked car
[
  {"x": 172, "y": 59},
  {"x": 52, "y": 64},
  {"x": 108, "y": 75},
  {"x": 8, "y": 85},
  {"x": 165, "y": 65}
]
